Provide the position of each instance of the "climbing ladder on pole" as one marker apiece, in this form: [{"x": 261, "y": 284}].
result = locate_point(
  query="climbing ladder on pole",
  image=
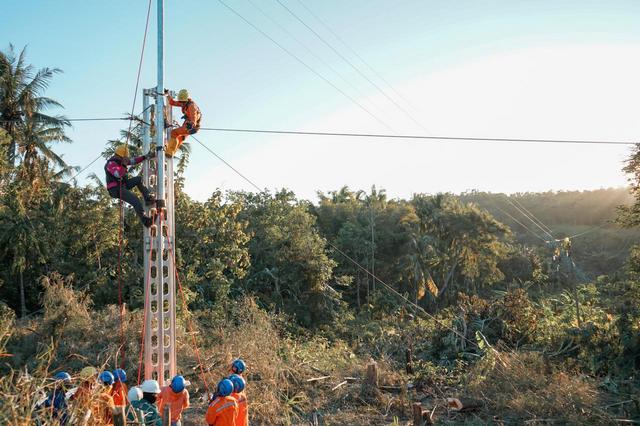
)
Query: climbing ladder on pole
[{"x": 159, "y": 241}]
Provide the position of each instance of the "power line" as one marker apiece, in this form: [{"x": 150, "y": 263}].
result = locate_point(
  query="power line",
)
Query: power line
[
  {"x": 345, "y": 44},
  {"x": 308, "y": 50},
  {"x": 515, "y": 200},
  {"x": 425, "y": 137},
  {"x": 227, "y": 164},
  {"x": 85, "y": 168},
  {"x": 288, "y": 52},
  {"x": 520, "y": 223},
  {"x": 352, "y": 65},
  {"x": 387, "y": 286},
  {"x": 530, "y": 219}
]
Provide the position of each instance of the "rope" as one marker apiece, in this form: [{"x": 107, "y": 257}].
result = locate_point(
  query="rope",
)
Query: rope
[
  {"x": 189, "y": 319},
  {"x": 120, "y": 231}
]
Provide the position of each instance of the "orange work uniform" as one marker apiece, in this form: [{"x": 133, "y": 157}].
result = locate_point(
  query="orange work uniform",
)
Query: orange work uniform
[
  {"x": 119, "y": 393},
  {"x": 243, "y": 409},
  {"x": 222, "y": 411},
  {"x": 102, "y": 408},
  {"x": 177, "y": 402},
  {"x": 191, "y": 125}
]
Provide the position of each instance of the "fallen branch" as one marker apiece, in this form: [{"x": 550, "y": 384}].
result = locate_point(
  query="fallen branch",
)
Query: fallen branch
[
  {"x": 339, "y": 385},
  {"x": 315, "y": 379}
]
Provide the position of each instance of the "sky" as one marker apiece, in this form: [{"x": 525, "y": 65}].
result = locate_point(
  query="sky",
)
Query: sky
[{"x": 561, "y": 69}]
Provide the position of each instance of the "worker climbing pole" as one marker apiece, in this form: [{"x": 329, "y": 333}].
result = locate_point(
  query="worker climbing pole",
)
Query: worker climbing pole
[{"x": 159, "y": 342}]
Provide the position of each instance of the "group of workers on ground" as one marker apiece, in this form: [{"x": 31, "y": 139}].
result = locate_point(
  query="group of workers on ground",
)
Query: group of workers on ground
[
  {"x": 227, "y": 407},
  {"x": 119, "y": 184}
]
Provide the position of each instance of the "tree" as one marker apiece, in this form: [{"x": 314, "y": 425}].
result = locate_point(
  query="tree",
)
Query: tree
[
  {"x": 290, "y": 269},
  {"x": 23, "y": 106}
]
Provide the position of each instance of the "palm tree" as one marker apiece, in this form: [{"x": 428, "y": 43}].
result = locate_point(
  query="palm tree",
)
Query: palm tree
[{"x": 21, "y": 99}]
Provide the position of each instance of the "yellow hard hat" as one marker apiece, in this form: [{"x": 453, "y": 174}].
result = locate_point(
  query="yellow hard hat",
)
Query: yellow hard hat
[
  {"x": 122, "y": 151},
  {"x": 183, "y": 95},
  {"x": 88, "y": 373}
]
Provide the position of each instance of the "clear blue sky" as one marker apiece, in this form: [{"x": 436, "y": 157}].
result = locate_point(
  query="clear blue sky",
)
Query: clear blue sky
[{"x": 552, "y": 69}]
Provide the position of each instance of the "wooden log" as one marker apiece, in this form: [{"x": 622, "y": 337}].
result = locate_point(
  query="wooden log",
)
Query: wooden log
[
  {"x": 119, "y": 418},
  {"x": 351, "y": 379},
  {"x": 372, "y": 374},
  {"x": 463, "y": 404},
  {"x": 409, "y": 360},
  {"x": 417, "y": 414}
]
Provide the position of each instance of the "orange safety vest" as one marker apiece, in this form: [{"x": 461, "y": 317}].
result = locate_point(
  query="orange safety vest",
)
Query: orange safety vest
[{"x": 222, "y": 411}]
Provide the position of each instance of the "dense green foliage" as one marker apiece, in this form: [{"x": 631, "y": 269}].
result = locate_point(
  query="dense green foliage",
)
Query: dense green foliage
[{"x": 460, "y": 279}]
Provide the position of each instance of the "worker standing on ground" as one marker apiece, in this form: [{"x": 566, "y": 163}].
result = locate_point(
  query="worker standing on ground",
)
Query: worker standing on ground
[
  {"x": 119, "y": 185},
  {"x": 134, "y": 395},
  {"x": 223, "y": 408},
  {"x": 239, "y": 394},
  {"x": 82, "y": 396},
  {"x": 150, "y": 391},
  {"x": 175, "y": 396},
  {"x": 56, "y": 402},
  {"x": 102, "y": 407},
  {"x": 191, "y": 115},
  {"x": 238, "y": 366},
  {"x": 119, "y": 390}
]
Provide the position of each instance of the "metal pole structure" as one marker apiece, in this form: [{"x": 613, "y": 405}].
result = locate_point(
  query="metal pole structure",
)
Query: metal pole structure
[
  {"x": 160, "y": 347},
  {"x": 149, "y": 180}
]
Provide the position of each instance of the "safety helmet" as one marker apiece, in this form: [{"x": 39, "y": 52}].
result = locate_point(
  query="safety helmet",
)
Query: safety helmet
[
  {"x": 120, "y": 375},
  {"x": 122, "y": 150},
  {"x": 62, "y": 376},
  {"x": 177, "y": 384},
  {"x": 225, "y": 387},
  {"x": 88, "y": 373},
  {"x": 106, "y": 377},
  {"x": 183, "y": 95},
  {"x": 135, "y": 394},
  {"x": 238, "y": 383},
  {"x": 150, "y": 386},
  {"x": 238, "y": 366}
]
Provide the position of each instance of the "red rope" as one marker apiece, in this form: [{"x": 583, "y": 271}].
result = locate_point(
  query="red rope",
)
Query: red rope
[
  {"x": 120, "y": 226},
  {"x": 189, "y": 321},
  {"x": 144, "y": 318}
]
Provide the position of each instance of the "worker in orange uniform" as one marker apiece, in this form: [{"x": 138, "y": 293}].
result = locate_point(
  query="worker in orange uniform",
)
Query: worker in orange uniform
[
  {"x": 119, "y": 389},
  {"x": 176, "y": 396},
  {"x": 191, "y": 115},
  {"x": 223, "y": 408},
  {"x": 241, "y": 397},
  {"x": 102, "y": 407},
  {"x": 82, "y": 396}
]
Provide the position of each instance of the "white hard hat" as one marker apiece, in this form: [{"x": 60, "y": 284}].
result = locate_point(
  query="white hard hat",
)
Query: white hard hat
[
  {"x": 135, "y": 394},
  {"x": 150, "y": 386}
]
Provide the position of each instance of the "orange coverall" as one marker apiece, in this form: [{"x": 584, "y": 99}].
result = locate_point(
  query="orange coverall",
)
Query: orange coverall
[
  {"x": 191, "y": 125},
  {"x": 243, "y": 409},
  {"x": 222, "y": 411},
  {"x": 119, "y": 393},
  {"x": 177, "y": 401}
]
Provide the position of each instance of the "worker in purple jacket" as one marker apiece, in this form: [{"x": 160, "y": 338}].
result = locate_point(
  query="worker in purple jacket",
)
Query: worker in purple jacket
[{"x": 119, "y": 184}]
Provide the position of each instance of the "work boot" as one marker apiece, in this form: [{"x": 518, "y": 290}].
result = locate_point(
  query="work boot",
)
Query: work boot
[
  {"x": 146, "y": 221},
  {"x": 150, "y": 199}
]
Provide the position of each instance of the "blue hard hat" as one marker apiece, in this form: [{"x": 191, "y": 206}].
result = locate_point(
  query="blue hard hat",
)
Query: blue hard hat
[
  {"x": 238, "y": 366},
  {"x": 177, "y": 384},
  {"x": 238, "y": 382},
  {"x": 225, "y": 387},
  {"x": 120, "y": 375},
  {"x": 63, "y": 375},
  {"x": 106, "y": 377}
]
